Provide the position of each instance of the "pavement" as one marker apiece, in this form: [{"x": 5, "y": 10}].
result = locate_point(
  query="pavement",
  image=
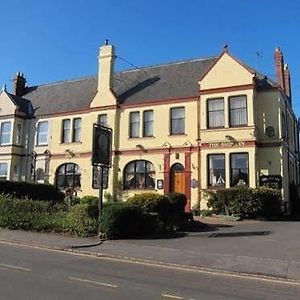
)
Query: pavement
[{"x": 260, "y": 248}]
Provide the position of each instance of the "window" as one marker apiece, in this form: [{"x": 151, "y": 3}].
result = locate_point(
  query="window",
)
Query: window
[
  {"x": 139, "y": 174},
  {"x": 238, "y": 111},
  {"x": 134, "y": 124},
  {"x": 19, "y": 134},
  {"x": 215, "y": 113},
  {"x": 148, "y": 123},
  {"x": 177, "y": 120},
  {"x": 42, "y": 133},
  {"x": 3, "y": 171},
  {"x": 76, "y": 130},
  {"x": 102, "y": 119},
  {"x": 239, "y": 171},
  {"x": 66, "y": 131},
  {"x": 216, "y": 170},
  {"x": 68, "y": 176},
  {"x": 5, "y": 133}
]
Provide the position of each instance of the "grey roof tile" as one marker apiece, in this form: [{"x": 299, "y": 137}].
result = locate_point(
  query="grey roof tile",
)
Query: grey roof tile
[
  {"x": 161, "y": 82},
  {"x": 23, "y": 105}
]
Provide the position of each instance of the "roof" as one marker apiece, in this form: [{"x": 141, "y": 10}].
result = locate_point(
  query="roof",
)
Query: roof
[
  {"x": 23, "y": 105},
  {"x": 161, "y": 82}
]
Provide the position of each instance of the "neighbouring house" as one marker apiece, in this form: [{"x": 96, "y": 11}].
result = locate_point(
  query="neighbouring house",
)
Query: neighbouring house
[{"x": 186, "y": 126}]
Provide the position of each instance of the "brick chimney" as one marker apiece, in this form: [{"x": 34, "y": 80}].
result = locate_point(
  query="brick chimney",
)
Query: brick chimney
[
  {"x": 19, "y": 85},
  {"x": 279, "y": 63},
  {"x": 287, "y": 81}
]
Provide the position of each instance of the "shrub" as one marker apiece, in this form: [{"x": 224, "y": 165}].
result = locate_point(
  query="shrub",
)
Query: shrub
[
  {"x": 245, "y": 202},
  {"x": 206, "y": 213},
  {"x": 80, "y": 220},
  {"x": 178, "y": 202},
  {"x": 151, "y": 203},
  {"x": 93, "y": 200},
  {"x": 34, "y": 191},
  {"x": 122, "y": 220}
]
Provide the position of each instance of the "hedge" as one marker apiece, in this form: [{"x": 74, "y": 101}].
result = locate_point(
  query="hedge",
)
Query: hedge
[
  {"x": 34, "y": 191},
  {"x": 123, "y": 220},
  {"x": 28, "y": 214},
  {"x": 246, "y": 202}
]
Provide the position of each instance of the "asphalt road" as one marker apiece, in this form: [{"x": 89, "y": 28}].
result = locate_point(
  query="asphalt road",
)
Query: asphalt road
[{"x": 29, "y": 273}]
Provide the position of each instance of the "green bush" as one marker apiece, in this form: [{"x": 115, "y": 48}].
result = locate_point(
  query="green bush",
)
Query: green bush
[
  {"x": 151, "y": 203},
  {"x": 28, "y": 214},
  {"x": 178, "y": 202},
  {"x": 34, "y": 191},
  {"x": 245, "y": 202},
  {"x": 206, "y": 213},
  {"x": 89, "y": 199},
  {"x": 122, "y": 220}
]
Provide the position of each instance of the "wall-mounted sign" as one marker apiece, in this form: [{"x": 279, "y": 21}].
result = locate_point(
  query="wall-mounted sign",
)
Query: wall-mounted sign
[
  {"x": 159, "y": 184},
  {"x": 271, "y": 181},
  {"x": 226, "y": 144}
]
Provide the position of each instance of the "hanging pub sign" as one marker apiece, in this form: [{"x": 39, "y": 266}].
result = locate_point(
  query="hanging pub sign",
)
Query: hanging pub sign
[
  {"x": 271, "y": 181},
  {"x": 100, "y": 177},
  {"x": 102, "y": 143}
]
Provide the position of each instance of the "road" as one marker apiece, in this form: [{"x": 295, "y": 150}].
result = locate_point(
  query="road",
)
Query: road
[{"x": 31, "y": 273}]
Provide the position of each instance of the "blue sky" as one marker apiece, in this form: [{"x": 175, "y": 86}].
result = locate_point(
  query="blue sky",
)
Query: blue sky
[{"x": 59, "y": 39}]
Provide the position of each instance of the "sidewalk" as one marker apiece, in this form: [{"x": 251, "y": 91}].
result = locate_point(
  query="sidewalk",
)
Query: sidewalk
[{"x": 264, "y": 248}]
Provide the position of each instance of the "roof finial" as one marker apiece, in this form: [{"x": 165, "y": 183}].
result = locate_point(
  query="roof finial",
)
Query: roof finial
[
  {"x": 4, "y": 88},
  {"x": 225, "y": 48},
  {"x": 106, "y": 42}
]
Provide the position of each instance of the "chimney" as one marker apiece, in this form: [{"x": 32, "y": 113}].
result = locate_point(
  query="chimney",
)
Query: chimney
[
  {"x": 287, "y": 81},
  {"x": 279, "y": 62},
  {"x": 19, "y": 85},
  {"x": 106, "y": 68}
]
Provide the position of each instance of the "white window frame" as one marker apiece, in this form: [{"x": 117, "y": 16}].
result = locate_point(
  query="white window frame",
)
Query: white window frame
[
  {"x": 4, "y": 177},
  {"x": 18, "y": 136},
  {"x": 38, "y": 143},
  {"x": 10, "y": 133}
]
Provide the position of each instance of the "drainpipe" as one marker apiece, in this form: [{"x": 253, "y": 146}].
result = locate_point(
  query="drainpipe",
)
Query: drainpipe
[{"x": 198, "y": 152}]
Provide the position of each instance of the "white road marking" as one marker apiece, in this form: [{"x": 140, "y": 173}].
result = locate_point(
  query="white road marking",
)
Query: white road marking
[
  {"x": 15, "y": 267},
  {"x": 169, "y": 296},
  {"x": 285, "y": 281},
  {"x": 109, "y": 285}
]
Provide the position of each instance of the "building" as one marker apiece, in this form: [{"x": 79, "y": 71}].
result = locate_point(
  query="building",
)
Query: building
[{"x": 186, "y": 126}]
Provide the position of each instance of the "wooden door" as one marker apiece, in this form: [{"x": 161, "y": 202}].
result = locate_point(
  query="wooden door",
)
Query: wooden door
[{"x": 179, "y": 182}]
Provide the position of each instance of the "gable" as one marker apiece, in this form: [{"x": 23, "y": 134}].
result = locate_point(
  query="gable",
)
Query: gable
[
  {"x": 7, "y": 107},
  {"x": 226, "y": 72}
]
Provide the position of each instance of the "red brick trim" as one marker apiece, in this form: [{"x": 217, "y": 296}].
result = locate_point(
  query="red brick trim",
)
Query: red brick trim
[
  {"x": 227, "y": 89},
  {"x": 188, "y": 172},
  {"x": 167, "y": 173},
  {"x": 156, "y": 150}
]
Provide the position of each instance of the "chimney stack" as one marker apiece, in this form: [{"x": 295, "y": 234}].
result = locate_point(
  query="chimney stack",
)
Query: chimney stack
[
  {"x": 106, "y": 67},
  {"x": 287, "y": 81},
  {"x": 19, "y": 85},
  {"x": 279, "y": 63}
]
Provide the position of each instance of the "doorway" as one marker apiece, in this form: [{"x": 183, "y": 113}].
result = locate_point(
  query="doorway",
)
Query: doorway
[{"x": 177, "y": 179}]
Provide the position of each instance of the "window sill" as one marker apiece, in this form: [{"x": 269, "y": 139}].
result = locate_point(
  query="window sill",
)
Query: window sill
[
  {"x": 238, "y": 126},
  {"x": 177, "y": 134},
  {"x": 141, "y": 137},
  {"x": 41, "y": 145},
  {"x": 70, "y": 143}
]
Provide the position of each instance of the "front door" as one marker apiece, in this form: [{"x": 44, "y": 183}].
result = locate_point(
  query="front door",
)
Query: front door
[{"x": 177, "y": 179}]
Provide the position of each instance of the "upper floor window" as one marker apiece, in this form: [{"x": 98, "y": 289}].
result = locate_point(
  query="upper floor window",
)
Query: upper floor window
[
  {"x": 139, "y": 174},
  {"x": 239, "y": 169},
  {"x": 42, "y": 133},
  {"x": 134, "y": 124},
  {"x": 215, "y": 113},
  {"x": 3, "y": 171},
  {"x": 102, "y": 119},
  {"x": 238, "y": 111},
  {"x": 76, "y": 130},
  {"x": 5, "y": 133},
  {"x": 148, "y": 123},
  {"x": 18, "y": 134},
  {"x": 216, "y": 170},
  {"x": 66, "y": 131},
  {"x": 177, "y": 116}
]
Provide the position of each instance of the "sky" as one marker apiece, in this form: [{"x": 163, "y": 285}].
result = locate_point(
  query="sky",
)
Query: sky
[{"x": 53, "y": 40}]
